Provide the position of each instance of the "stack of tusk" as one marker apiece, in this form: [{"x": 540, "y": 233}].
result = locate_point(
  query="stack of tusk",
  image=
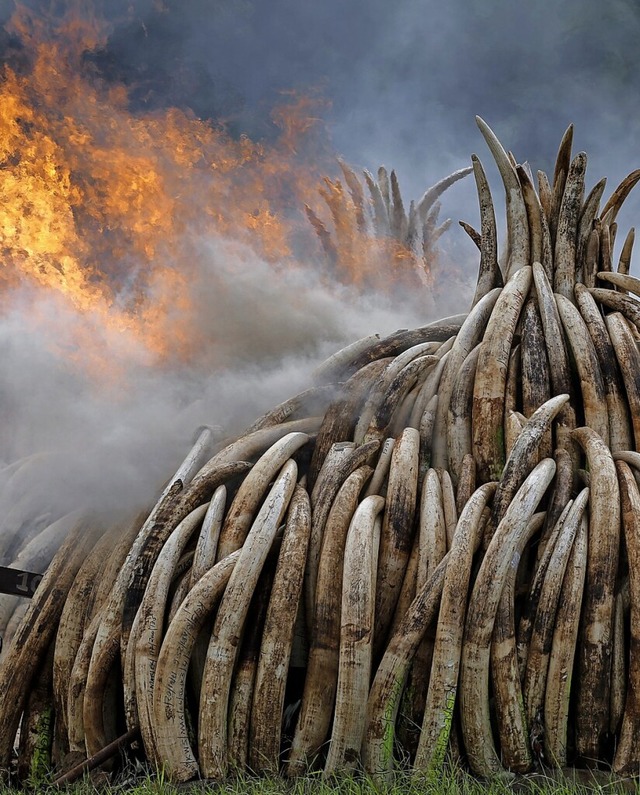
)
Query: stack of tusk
[
  {"x": 411, "y": 234},
  {"x": 442, "y": 533}
]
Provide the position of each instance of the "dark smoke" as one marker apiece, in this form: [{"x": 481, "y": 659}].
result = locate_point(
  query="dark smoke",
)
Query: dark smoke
[{"x": 406, "y": 79}]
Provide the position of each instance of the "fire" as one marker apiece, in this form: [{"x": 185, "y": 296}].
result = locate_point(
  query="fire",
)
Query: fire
[{"x": 101, "y": 205}]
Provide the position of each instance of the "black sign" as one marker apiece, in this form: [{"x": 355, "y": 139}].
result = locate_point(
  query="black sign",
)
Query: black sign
[{"x": 18, "y": 583}]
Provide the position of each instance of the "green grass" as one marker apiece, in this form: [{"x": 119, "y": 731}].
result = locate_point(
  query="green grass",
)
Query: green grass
[{"x": 446, "y": 783}]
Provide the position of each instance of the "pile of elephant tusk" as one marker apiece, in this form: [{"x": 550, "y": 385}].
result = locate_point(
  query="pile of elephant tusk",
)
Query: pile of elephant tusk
[
  {"x": 431, "y": 555},
  {"x": 415, "y": 232}
]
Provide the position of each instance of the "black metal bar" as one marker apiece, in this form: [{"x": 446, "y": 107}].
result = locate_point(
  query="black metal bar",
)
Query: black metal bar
[
  {"x": 18, "y": 583},
  {"x": 98, "y": 759}
]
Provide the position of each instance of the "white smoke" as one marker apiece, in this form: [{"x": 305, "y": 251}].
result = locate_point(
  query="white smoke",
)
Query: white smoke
[{"x": 260, "y": 330}]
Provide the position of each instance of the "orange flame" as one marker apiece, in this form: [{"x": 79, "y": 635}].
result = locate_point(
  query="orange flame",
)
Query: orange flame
[{"x": 101, "y": 205}]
